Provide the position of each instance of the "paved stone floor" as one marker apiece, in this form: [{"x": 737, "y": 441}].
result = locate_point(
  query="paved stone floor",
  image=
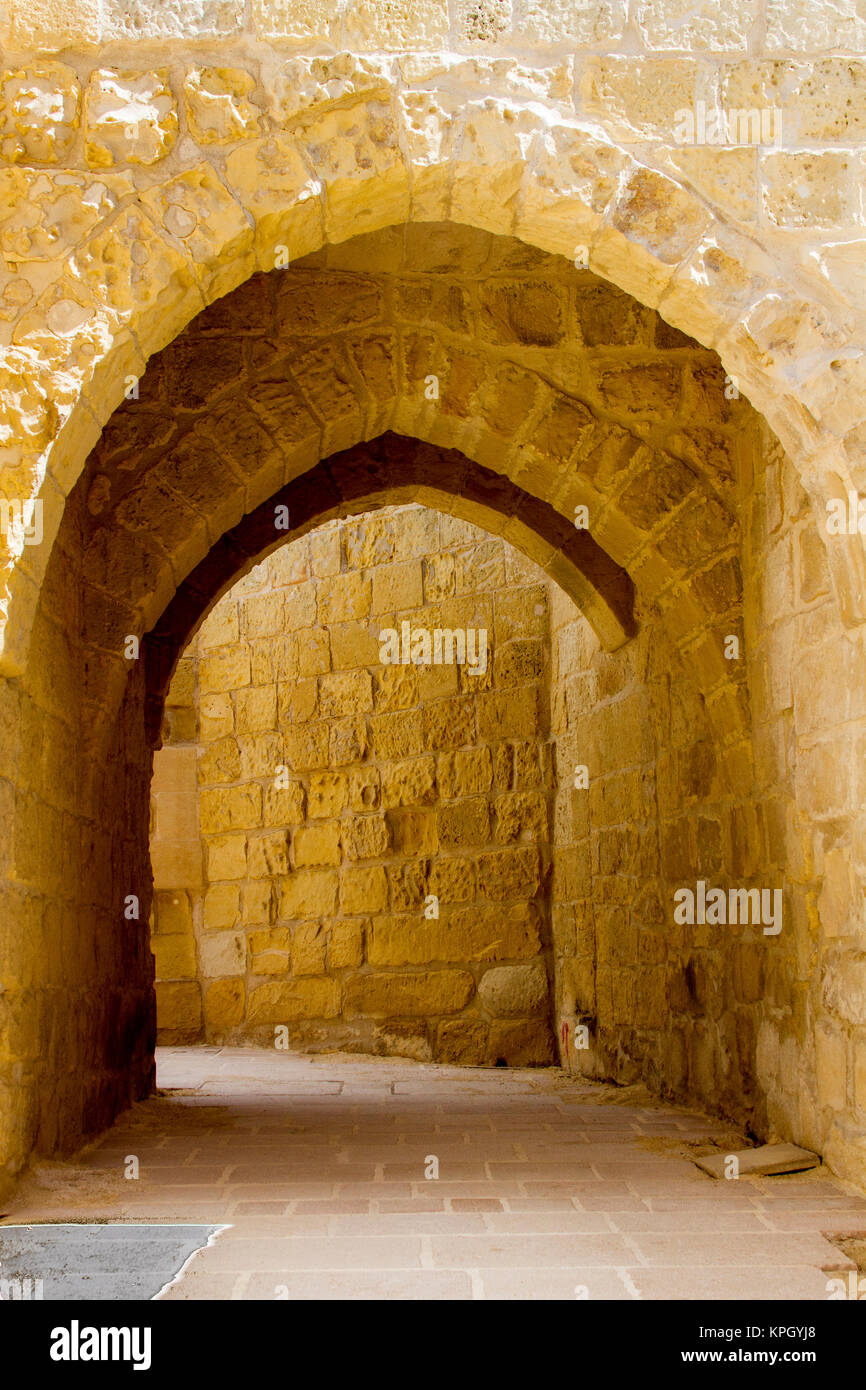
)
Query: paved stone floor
[{"x": 547, "y": 1187}]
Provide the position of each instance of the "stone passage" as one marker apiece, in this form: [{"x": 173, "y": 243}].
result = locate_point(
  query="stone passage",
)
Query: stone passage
[
  {"x": 320, "y": 1169},
  {"x": 487, "y": 259},
  {"x": 352, "y": 847}
]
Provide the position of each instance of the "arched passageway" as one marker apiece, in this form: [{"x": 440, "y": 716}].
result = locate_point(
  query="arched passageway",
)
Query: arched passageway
[{"x": 467, "y": 372}]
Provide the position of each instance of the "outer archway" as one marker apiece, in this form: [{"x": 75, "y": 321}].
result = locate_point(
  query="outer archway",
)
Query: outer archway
[
  {"x": 380, "y": 151},
  {"x": 188, "y": 240}
]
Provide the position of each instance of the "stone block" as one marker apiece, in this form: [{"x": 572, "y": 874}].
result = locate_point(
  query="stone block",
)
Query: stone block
[
  {"x": 221, "y": 906},
  {"x": 449, "y": 724},
  {"x": 256, "y": 710},
  {"x": 452, "y": 879},
  {"x": 461, "y": 1042},
  {"x": 398, "y": 735},
  {"x": 348, "y": 741},
  {"x": 343, "y": 598},
  {"x": 521, "y": 1042},
  {"x": 327, "y": 794},
  {"x": 178, "y": 1005},
  {"x": 365, "y": 837},
  {"x": 396, "y": 688},
  {"x": 175, "y": 956},
  {"x": 283, "y": 805},
  {"x": 222, "y": 953},
  {"x": 420, "y": 994},
  {"x": 397, "y": 588},
  {"x": 410, "y": 782},
  {"x": 412, "y": 832},
  {"x": 346, "y": 945},
  {"x": 345, "y": 692},
  {"x": 270, "y": 951},
  {"x": 309, "y": 941},
  {"x": 224, "y": 671},
  {"x": 314, "y": 652},
  {"x": 408, "y": 885},
  {"x": 510, "y": 991},
  {"x": 309, "y": 893},
  {"x": 268, "y": 855},
  {"x": 223, "y": 1005},
  {"x": 173, "y": 914},
  {"x": 363, "y": 890},
  {"x": 511, "y": 873},
  {"x": 354, "y": 644},
  {"x": 364, "y": 789},
  {"x": 317, "y": 844},
  {"x": 287, "y": 1002}
]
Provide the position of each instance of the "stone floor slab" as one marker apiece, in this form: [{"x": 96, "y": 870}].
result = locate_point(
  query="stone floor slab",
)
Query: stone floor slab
[{"x": 549, "y": 1187}]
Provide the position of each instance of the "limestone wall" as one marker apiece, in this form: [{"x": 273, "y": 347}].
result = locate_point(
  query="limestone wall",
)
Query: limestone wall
[
  {"x": 808, "y": 695},
  {"x": 641, "y": 812},
  {"x": 342, "y": 802}
]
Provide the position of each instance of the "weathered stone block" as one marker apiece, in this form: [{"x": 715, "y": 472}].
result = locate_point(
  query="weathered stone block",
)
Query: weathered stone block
[
  {"x": 283, "y": 805},
  {"x": 422, "y": 994},
  {"x": 309, "y": 893},
  {"x": 270, "y": 951},
  {"x": 346, "y": 945},
  {"x": 178, "y": 1006},
  {"x": 327, "y": 794},
  {"x": 222, "y": 953},
  {"x": 175, "y": 956},
  {"x": 268, "y": 855},
  {"x": 365, "y": 837},
  {"x": 346, "y": 692},
  {"x": 296, "y": 999},
  {"x": 309, "y": 941},
  {"x": 513, "y": 873},
  {"x": 230, "y": 808},
  {"x": 221, "y": 905},
  {"x": 463, "y": 823},
  {"x": 521, "y": 1043},
  {"x": 129, "y": 118},
  {"x": 409, "y": 782},
  {"x": 363, "y": 890},
  {"x": 412, "y": 832},
  {"x": 461, "y": 1043},
  {"x": 223, "y": 1005},
  {"x": 449, "y": 723},
  {"x": 514, "y": 990},
  {"x": 317, "y": 844}
]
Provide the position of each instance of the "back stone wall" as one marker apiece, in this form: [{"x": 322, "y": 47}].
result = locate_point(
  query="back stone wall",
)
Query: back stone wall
[{"x": 315, "y": 807}]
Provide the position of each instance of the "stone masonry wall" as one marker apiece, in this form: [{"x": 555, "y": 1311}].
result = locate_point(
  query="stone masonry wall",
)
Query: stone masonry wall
[
  {"x": 405, "y": 790},
  {"x": 641, "y": 812}
]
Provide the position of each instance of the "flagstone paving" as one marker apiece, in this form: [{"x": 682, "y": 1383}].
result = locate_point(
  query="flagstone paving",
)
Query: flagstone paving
[{"x": 324, "y": 1171}]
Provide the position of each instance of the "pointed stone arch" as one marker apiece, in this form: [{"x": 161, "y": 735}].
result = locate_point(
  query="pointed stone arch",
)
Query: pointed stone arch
[{"x": 152, "y": 259}]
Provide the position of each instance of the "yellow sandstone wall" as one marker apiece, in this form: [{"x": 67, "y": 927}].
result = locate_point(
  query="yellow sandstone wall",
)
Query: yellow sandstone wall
[{"x": 406, "y": 790}]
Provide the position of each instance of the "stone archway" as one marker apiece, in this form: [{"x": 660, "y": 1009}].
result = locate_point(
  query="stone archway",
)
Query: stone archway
[
  {"x": 128, "y": 265},
  {"x": 370, "y": 157}
]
